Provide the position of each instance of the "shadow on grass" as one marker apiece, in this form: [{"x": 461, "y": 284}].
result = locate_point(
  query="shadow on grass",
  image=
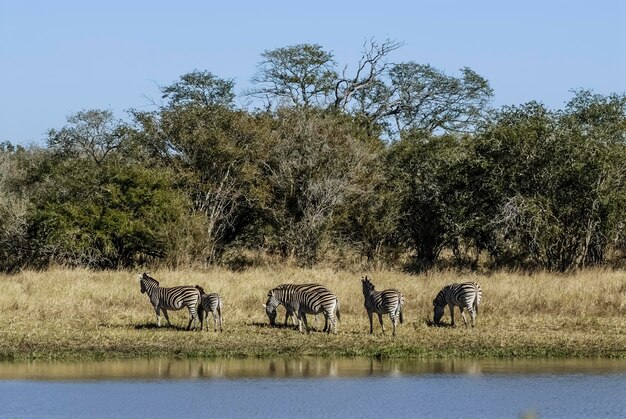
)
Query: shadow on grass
[
  {"x": 148, "y": 326},
  {"x": 430, "y": 323},
  {"x": 276, "y": 326},
  {"x": 281, "y": 326}
]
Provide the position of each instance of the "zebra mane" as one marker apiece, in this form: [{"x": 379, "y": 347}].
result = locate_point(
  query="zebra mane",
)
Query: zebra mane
[
  {"x": 199, "y": 288},
  {"x": 148, "y": 277}
]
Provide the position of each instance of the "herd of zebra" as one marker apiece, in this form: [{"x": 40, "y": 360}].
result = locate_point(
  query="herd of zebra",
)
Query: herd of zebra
[{"x": 302, "y": 299}]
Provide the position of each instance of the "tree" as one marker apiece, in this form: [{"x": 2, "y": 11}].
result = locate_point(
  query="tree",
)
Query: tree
[
  {"x": 297, "y": 75},
  {"x": 15, "y": 248},
  {"x": 200, "y": 88},
  {"x": 370, "y": 72},
  {"x": 317, "y": 163},
  {"x": 549, "y": 185},
  {"x": 420, "y": 97},
  {"x": 91, "y": 133},
  {"x": 423, "y": 170},
  {"x": 212, "y": 149}
]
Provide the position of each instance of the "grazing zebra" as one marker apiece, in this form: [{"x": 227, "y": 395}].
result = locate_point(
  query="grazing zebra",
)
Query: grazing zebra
[
  {"x": 289, "y": 314},
  {"x": 300, "y": 300},
  {"x": 174, "y": 298},
  {"x": 466, "y": 295},
  {"x": 381, "y": 302},
  {"x": 210, "y": 303}
]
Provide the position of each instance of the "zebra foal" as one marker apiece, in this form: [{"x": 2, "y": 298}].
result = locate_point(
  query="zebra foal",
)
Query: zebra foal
[
  {"x": 466, "y": 295},
  {"x": 174, "y": 298},
  {"x": 300, "y": 300},
  {"x": 210, "y": 303},
  {"x": 388, "y": 301}
]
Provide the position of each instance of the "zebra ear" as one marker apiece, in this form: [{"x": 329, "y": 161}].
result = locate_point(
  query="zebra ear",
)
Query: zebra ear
[{"x": 264, "y": 306}]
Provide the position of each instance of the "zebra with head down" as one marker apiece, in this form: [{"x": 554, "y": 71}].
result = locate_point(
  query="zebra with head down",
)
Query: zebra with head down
[
  {"x": 300, "y": 300},
  {"x": 466, "y": 295}
]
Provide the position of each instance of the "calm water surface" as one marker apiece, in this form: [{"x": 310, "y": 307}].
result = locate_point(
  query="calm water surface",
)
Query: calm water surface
[{"x": 320, "y": 388}]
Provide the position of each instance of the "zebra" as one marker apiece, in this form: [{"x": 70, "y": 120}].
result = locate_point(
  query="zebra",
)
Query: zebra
[
  {"x": 174, "y": 298},
  {"x": 300, "y": 300},
  {"x": 465, "y": 295},
  {"x": 381, "y": 302},
  {"x": 210, "y": 303},
  {"x": 290, "y": 315}
]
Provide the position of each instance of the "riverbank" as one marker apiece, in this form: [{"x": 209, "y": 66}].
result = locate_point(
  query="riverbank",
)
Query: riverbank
[{"x": 81, "y": 315}]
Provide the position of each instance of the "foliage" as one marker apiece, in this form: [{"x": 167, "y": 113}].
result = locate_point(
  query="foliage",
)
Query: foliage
[
  {"x": 550, "y": 185},
  {"x": 297, "y": 75},
  {"x": 424, "y": 169},
  {"x": 200, "y": 88},
  {"x": 380, "y": 164},
  {"x": 317, "y": 163}
]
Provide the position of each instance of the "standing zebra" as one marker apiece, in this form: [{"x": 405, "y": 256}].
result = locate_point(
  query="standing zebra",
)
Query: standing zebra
[
  {"x": 381, "y": 302},
  {"x": 300, "y": 300},
  {"x": 210, "y": 303},
  {"x": 174, "y": 298},
  {"x": 466, "y": 295}
]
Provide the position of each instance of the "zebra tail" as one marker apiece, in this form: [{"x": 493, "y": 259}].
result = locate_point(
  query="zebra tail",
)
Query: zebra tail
[{"x": 400, "y": 307}]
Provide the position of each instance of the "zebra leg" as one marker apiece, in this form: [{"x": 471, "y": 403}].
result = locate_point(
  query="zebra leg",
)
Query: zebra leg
[
  {"x": 380, "y": 319},
  {"x": 299, "y": 319},
  {"x": 302, "y": 319},
  {"x": 463, "y": 316},
  {"x": 394, "y": 321},
  {"x": 158, "y": 316},
  {"x": 219, "y": 313},
  {"x": 369, "y": 314},
  {"x": 473, "y": 314},
  {"x": 193, "y": 317},
  {"x": 451, "y": 306},
  {"x": 306, "y": 325},
  {"x": 214, "y": 320},
  {"x": 166, "y": 317},
  {"x": 329, "y": 324},
  {"x": 201, "y": 316}
]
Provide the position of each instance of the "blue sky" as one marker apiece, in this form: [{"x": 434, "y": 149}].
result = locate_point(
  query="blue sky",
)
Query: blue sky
[{"x": 59, "y": 57}]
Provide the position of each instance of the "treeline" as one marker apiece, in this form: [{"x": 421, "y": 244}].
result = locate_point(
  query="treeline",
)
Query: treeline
[{"x": 396, "y": 165}]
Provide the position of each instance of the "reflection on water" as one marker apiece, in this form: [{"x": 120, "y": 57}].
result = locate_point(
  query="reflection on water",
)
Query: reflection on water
[
  {"x": 294, "y": 368},
  {"x": 316, "y": 388}
]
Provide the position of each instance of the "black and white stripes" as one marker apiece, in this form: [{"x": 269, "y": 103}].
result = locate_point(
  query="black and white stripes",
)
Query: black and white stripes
[
  {"x": 174, "y": 298},
  {"x": 389, "y": 301},
  {"x": 466, "y": 295},
  {"x": 301, "y": 300},
  {"x": 210, "y": 303}
]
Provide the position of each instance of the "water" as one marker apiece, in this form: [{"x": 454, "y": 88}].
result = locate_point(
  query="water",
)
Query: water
[{"x": 320, "y": 388}]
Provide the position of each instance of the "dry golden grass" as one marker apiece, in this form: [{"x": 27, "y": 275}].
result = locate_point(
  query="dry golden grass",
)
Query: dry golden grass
[{"x": 81, "y": 314}]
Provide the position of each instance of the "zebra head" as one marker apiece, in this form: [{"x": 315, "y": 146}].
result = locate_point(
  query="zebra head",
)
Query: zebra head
[
  {"x": 270, "y": 307},
  {"x": 144, "y": 280},
  {"x": 367, "y": 285},
  {"x": 439, "y": 303},
  {"x": 438, "y": 314}
]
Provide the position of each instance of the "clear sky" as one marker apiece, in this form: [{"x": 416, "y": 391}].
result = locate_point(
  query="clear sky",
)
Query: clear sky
[{"x": 59, "y": 57}]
